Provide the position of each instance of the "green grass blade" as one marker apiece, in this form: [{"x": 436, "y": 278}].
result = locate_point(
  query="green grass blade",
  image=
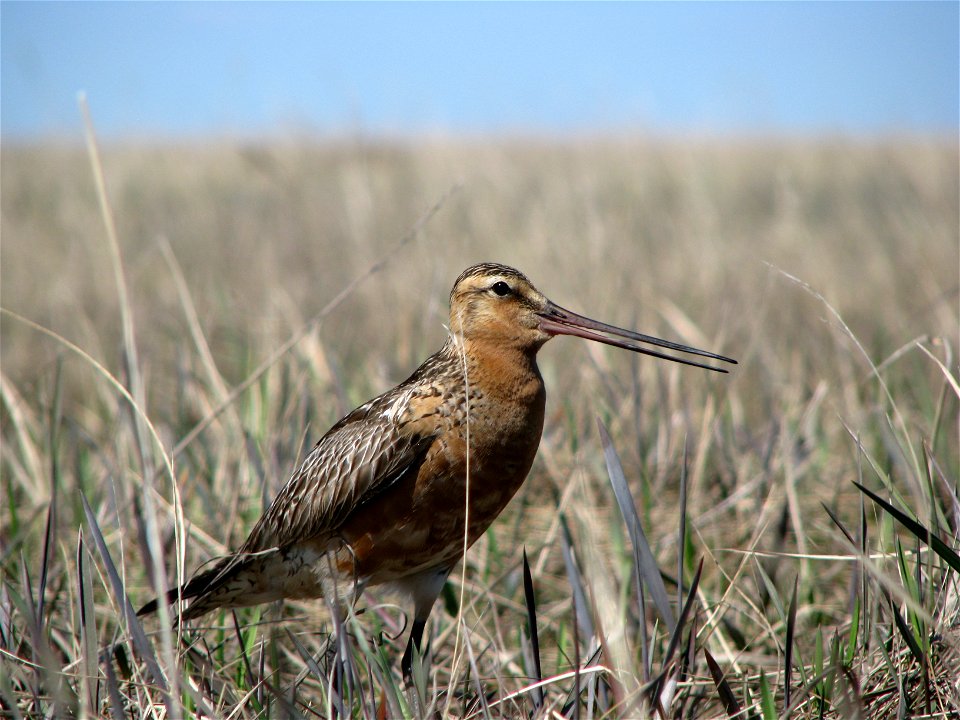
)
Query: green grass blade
[
  {"x": 9, "y": 697},
  {"x": 924, "y": 535},
  {"x": 906, "y": 633},
  {"x": 767, "y": 705},
  {"x": 581, "y": 607},
  {"x": 682, "y": 530},
  {"x": 840, "y": 526},
  {"x": 727, "y": 697},
  {"x": 134, "y": 628},
  {"x": 657, "y": 685},
  {"x": 788, "y": 646},
  {"x": 531, "y": 603},
  {"x": 56, "y": 411},
  {"x": 113, "y": 690},
  {"x": 646, "y": 565},
  {"x": 88, "y": 627},
  {"x": 475, "y": 674},
  {"x": 245, "y": 644},
  {"x": 854, "y": 632}
]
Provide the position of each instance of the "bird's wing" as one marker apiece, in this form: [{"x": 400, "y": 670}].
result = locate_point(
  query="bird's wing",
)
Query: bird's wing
[{"x": 362, "y": 454}]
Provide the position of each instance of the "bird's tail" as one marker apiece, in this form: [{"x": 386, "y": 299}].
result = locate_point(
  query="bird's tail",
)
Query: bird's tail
[{"x": 201, "y": 590}]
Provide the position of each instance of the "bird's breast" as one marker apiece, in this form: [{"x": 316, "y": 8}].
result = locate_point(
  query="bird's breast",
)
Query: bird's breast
[{"x": 486, "y": 436}]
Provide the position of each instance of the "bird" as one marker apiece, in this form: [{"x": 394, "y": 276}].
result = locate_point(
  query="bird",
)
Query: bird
[{"x": 382, "y": 498}]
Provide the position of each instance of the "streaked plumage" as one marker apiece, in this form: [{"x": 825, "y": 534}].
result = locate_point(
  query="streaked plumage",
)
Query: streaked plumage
[{"x": 381, "y": 498}]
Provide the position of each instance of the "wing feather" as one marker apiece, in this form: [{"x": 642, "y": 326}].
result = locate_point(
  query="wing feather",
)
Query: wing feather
[{"x": 358, "y": 457}]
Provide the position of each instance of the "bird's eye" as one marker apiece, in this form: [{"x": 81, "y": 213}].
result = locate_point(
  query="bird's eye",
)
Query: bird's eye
[{"x": 501, "y": 288}]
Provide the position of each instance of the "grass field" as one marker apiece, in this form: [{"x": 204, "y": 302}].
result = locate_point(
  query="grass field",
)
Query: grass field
[{"x": 145, "y": 423}]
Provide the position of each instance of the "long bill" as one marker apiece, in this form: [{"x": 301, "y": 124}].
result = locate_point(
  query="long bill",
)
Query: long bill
[{"x": 559, "y": 321}]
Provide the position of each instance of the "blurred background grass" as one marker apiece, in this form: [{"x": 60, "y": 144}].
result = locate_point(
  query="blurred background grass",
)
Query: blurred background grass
[
  {"x": 687, "y": 240},
  {"x": 266, "y": 235}
]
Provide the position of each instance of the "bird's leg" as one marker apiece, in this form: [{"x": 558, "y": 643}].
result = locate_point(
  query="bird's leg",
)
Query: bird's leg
[
  {"x": 416, "y": 638},
  {"x": 425, "y": 588}
]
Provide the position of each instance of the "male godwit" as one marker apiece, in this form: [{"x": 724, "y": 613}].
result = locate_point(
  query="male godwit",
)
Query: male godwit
[{"x": 381, "y": 499}]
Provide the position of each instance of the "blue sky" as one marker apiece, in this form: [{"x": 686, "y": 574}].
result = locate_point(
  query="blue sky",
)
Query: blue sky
[{"x": 176, "y": 69}]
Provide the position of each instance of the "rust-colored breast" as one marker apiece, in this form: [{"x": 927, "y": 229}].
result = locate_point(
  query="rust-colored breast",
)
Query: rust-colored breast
[{"x": 420, "y": 520}]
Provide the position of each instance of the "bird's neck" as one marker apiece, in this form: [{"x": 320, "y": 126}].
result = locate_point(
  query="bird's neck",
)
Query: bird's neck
[{"x": 500, "y": 366}]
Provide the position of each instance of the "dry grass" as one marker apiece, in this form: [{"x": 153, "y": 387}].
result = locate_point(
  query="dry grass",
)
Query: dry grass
[{"x": 829, "y": 268}]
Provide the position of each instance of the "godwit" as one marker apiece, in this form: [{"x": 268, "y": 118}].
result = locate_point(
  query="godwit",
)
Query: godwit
[{"x": 381, "y": 499}]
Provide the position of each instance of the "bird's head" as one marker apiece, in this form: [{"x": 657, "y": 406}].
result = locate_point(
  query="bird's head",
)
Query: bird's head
[
  {"x": 495, "y": 303},
  {"x": 492, "y": 303}
]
